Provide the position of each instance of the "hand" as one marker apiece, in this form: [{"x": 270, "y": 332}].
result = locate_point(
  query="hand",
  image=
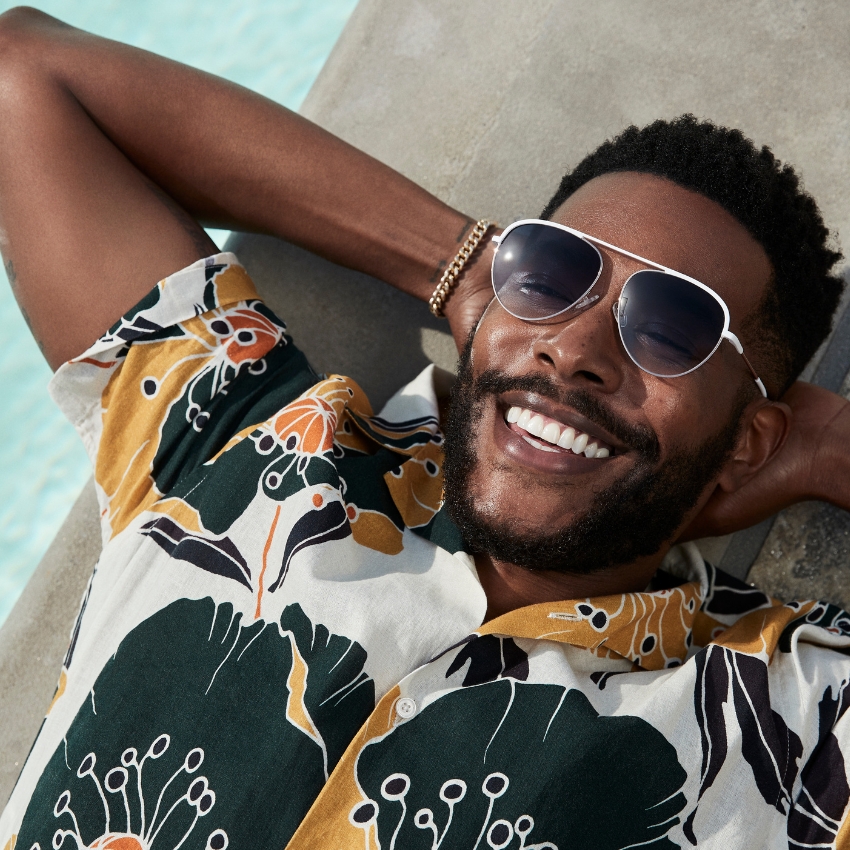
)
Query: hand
[
  {"x": 811, "y": 464},
  {"x": 473, "y": 291}
]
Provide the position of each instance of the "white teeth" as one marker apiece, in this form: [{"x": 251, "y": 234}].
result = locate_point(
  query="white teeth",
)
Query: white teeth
[
  {"x": 551, "y": 433},
  {"x": 568, "y": 435},
  {"x": 536, "y": 426},
  {"x": 538, "y": 445}
]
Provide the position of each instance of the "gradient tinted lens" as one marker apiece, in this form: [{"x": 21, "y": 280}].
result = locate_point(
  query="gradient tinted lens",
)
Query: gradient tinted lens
[
  {"x": 668, "y": 325},
  {"x": 540, "y": 271}
]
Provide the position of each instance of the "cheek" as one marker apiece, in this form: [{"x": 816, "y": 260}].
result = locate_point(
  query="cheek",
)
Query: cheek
[
  {"x": 502, "y": 342},
  {"x": 685, "y": 412}
]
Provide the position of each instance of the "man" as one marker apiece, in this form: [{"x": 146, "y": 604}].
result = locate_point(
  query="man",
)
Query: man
[{"x": 294, "y": 636}]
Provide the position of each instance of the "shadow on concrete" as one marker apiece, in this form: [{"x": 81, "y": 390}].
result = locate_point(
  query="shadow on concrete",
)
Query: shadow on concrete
[{"x": 344, "y": 321}]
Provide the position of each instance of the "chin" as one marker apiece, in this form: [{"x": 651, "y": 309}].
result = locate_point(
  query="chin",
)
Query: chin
[{"x": 520, "y": 503}]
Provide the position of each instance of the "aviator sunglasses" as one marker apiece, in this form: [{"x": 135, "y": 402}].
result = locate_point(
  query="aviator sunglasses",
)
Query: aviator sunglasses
[{"x": 669, "y": 323}]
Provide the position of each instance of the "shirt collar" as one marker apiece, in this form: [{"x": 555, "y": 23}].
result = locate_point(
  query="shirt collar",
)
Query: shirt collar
[{"x": 653, "y": 629}]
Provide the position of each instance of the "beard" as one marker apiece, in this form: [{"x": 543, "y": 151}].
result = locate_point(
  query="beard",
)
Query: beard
[{"x": 633, "y": 517}]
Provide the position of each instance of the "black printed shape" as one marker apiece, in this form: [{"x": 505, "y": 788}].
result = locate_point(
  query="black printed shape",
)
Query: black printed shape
[
  {"x": 824, "y": 788},
  {"x": 364, "y": 812},
  {"x": 731, "y": 595},
  {"x": 328, "y": 523},
  {"x": 215, "y": 556},
  {"x": 770, "y": 748},
  {"x": 824, "y": 778},
  {"x": 490, "y": 658},
  {"x": 711, "y": 690},
  {"x": 735, "y": 600},
  {"x": 600, "y": 678},
  {"x": 710, "y": 693},
  {"x": 831, "y": 709},
  {"x": 141, "y": 326}
]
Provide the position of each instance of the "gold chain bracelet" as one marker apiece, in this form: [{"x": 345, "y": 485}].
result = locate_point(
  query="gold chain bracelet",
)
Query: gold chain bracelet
[{"x": 452, "y": 273}]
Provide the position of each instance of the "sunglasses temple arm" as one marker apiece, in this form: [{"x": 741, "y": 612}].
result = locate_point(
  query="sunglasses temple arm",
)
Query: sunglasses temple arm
[{"x": 740, "y": 349}]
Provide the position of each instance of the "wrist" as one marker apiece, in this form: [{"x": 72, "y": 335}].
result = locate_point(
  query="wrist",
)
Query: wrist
[
  {"x": 830, "y": 479},
  {"x": 472, "y": 293},
  {"x": 457, "y": 267},
  {"x": 829, "y": 475}
]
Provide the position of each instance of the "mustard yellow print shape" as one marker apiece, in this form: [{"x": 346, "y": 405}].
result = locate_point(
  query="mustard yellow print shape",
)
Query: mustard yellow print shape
[
  {"x": 617, "y": 624},
  {"x": 417, "y": 487},
  {"x": 60, "y": 689},
  {"x": 375, "y": 531}
]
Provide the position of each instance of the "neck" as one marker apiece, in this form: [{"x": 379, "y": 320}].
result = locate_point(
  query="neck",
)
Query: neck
[{"x": 509, "y": 587}]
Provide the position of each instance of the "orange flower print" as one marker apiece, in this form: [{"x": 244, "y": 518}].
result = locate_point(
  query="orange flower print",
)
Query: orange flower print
[
  {"x": 306, "y": 426},
  {"x": 251, "y": 334}
]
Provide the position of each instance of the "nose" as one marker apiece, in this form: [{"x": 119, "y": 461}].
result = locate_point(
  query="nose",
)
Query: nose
[{"x": 584, "y": 350}]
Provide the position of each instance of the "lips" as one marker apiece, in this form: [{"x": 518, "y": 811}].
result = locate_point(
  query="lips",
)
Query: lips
[{"x": 546, "y": 433}]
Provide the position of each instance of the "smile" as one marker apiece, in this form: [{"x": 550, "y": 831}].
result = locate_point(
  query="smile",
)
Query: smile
[{"x": 548, "y": 435}]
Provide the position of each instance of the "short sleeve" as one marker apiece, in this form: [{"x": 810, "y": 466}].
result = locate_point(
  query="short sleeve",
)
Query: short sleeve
[{"x": 197, "y": 361}]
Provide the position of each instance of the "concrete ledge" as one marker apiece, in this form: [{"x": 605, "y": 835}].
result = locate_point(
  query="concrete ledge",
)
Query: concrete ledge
[
  {"x": 344, "y": 321},
  {"x": 35, "y": 635}
]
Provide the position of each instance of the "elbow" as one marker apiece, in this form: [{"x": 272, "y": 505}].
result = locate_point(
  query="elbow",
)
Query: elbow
[
  {"x": 25, "y": 36},
  {"x": 21, "y": 19},
  {"x": 21, "y": 28}
]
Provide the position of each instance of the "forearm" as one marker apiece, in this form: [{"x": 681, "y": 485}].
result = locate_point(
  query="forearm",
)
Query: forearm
[
  {"x": 234, "y": 159},
  {"x": 828, "y": 476}
]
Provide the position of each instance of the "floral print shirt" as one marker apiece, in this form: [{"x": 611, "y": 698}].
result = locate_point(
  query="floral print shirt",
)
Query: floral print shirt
[{"x": 282, "y": 643}]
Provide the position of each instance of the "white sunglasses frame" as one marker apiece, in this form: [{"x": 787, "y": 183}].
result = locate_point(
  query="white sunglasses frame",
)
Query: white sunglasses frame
[{"x": 586, "y": 300}]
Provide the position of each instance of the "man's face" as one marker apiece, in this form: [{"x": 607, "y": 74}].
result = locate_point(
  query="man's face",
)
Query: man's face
[{"x": 667, "y": 437}]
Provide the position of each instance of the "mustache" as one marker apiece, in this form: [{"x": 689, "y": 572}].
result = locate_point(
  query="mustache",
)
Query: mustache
[{"x": 639, "y": 438}]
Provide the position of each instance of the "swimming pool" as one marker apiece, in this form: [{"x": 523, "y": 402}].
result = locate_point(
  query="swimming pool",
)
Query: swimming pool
[{"x": 275, "y": 47}]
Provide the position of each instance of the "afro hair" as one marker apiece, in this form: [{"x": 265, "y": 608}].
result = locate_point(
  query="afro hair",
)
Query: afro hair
[{"x": 766, "y": 197}]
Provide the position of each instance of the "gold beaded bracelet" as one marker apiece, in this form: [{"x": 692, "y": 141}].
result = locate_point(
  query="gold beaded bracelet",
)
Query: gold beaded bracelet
[{"x": 452, "y": 273}]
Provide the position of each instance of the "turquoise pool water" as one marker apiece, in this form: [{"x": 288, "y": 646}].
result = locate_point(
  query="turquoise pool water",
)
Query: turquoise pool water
[{"x": 276, "y": 47}]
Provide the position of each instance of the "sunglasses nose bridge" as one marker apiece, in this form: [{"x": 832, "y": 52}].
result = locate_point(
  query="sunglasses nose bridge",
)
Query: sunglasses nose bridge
[
  {"x": 618, "y": 308},
  {"x": 619, "y": 315}
]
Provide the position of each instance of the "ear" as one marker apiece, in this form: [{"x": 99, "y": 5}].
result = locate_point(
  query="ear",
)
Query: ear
[{"x": 764, "y": 429}]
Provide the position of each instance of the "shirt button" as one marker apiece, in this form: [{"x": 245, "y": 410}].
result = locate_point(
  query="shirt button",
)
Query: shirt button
[{"x": 405, "y": 708}]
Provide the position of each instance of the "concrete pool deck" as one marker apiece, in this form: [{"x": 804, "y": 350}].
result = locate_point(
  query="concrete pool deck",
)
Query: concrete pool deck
[{"x": 488, "y": 110}]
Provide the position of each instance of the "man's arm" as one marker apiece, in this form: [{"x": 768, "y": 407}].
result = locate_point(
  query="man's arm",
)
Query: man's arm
[{"x": 109, "y": 156}]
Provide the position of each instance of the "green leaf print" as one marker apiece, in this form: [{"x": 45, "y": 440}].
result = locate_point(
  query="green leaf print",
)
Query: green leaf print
[
  {"x": 201, "y": 732},
  {"x": 514, "y": 765}
]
